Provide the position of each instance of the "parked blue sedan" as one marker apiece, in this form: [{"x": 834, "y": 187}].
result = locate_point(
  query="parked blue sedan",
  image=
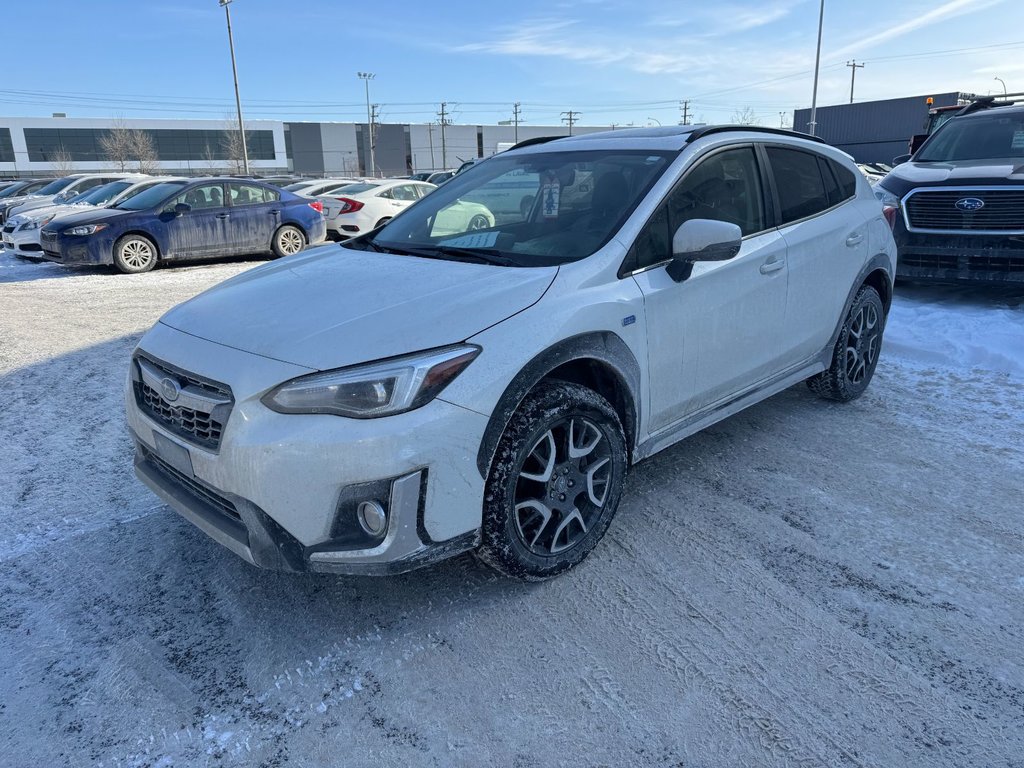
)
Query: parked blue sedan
[{"x": 201, "y": 219}]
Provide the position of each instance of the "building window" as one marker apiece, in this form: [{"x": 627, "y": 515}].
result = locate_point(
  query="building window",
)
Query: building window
[
  {"x": 172, "y": 144},
  {"x": 6, "y": 147}
]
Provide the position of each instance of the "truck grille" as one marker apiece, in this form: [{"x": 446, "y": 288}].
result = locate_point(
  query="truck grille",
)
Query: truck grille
[
  {"x": 1002, "y": 212},
  {"x": 190, "y": 406}
]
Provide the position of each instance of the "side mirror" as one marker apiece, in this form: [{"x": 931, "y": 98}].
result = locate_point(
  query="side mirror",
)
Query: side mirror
[
  {"x": 181, "y": 209},
  {"x": 702, "y": 240},
  {"x": 900, "y": 159}
]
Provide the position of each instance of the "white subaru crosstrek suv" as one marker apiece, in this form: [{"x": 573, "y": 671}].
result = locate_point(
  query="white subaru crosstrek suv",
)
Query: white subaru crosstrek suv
[{"x": 408, "y": 395}]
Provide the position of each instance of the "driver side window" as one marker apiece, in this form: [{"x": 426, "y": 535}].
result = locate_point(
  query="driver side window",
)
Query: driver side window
[{"x": 723, "y": 187}]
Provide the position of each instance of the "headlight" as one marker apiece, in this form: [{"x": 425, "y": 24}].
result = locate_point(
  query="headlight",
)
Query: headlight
[
  {"x": 36, "y": 224},
  {"x": 375, "y": 389},
  {"x": 88, "y": 229}
]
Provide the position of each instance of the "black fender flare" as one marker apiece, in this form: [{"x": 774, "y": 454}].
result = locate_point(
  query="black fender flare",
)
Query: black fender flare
[
  {"x": 603, "y": 347},
  {"x": 880, "y": 261}
]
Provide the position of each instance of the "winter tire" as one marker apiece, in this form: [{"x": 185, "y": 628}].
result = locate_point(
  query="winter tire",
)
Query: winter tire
[
  {"x": 288, "y": 241},
  {"x": 856, "y": 352},
  {"x": 134, "y": 254},
  {"x": 554, "y": 483}
]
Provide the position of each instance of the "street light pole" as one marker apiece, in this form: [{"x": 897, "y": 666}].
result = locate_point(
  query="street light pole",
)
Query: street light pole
[
  {"x": 366, "y": 77},
  {"x": 238, "y": 99},
  {"x": 655, "y": 120},
  {"x": 813, "y": 125},
  {"x": 1004, "y": 86}
]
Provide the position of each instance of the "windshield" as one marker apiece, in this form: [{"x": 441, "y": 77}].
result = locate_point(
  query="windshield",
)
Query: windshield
[
  {"x": 151, "y": 197},
  {"x": 527, "y": 210},
  {"x": 12, "y": 189},
  {"x": 985, "y": 137},
  {"x": 101, "y": 194},
  {"x": 299, "y": 185},
  {"x": 354, "y": 189},
  {"x": 54, "y": 186}
]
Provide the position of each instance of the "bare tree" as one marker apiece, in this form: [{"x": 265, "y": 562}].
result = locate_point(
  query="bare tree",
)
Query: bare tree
[
  {"x": 209, "y": 161},
  {"x": 143, "y": 151},
  {"x": 116, "y": 144},
  {"x": 231, "y": 143},
  {"x": 61, "y": 162},
  {"x": 745, "y": 116}
]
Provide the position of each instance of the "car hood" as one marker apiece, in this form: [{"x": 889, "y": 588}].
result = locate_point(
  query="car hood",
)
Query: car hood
[
  {"x": 997, "y": 172},
  {"x": 52, "y": 210},
  {"x": 32, "y": 202},
  {"x": 86, "y": 215},
  {"x": 332, "y": 306}
]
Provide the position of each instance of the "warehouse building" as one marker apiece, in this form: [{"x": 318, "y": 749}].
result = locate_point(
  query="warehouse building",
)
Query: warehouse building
[
  {"x": 876, "y": 131},
  {"x": 42, "y": 146}
]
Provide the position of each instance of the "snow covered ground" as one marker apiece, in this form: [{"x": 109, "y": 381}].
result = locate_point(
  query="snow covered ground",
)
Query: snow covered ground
[{"x": 804, "y": 584}]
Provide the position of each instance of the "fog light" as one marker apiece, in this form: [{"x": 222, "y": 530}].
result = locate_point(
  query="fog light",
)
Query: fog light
[{"x": 372, "y": 517}]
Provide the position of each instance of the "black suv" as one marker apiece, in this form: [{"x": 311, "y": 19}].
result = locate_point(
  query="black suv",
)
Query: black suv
[{"x": 957, "y": 205}]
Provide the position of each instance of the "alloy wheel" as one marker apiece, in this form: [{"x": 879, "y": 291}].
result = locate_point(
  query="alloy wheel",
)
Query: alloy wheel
[
  {"x": 562, "y": 486},
  {"x": 289, "y": 242},
  {"x": 136, "y": 253},
  {"x": 862, "y": 342}
]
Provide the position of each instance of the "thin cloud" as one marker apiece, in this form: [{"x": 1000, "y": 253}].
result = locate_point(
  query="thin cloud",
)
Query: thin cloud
[{"x": 948, "y": 10}]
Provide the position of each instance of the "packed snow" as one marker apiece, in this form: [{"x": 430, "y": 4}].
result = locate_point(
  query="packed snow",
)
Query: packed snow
[{"x": 806, "y": 583}]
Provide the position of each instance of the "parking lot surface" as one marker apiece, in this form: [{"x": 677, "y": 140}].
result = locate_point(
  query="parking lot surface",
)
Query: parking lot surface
[{"x": 806, "y": 583}]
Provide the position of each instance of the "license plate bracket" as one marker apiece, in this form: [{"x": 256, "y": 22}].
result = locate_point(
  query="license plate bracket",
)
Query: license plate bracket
[{"x": 175, "y": 455}]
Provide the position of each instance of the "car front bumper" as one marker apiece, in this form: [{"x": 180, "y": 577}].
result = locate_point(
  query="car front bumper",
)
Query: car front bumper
[
  {"x": 959, "y": 257},
  {"x": 281, "y": 490},
  {"x": 24, "y": 243}
]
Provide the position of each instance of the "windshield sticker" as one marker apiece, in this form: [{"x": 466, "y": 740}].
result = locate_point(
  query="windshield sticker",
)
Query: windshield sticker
[
  {"x": 550, "y": 193},
  {"x": 481, "y": 240},
  {"x": 1018, "y": 140}
]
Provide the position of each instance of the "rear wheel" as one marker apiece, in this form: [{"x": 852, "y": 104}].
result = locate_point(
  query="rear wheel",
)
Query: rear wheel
[
  {"x": 134, "y": 254},
  {"x": 288, "y": 240},
  {"x": 856, "y": 352},
  {"x": 554, "y": 484}
]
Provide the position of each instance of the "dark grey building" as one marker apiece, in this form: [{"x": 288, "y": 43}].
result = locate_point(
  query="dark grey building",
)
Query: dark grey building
[{"x": 876, "y": 131}]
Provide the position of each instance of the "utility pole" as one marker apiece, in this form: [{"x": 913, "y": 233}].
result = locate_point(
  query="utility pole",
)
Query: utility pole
[
  {"x": 684, "y": 106},
  {"x": 516, "y": 116},
  {"x": 374, "y": 120},
  {"x": 812, "y": 126},
  {"x": 854, "y": 66},
  {"x": 238, "y": 99},
  {"x": 571, "y": 118},
  {"x": 443, "y": 115},
  {"x": 366, "y": 77},
  {"x": 430, "y": 138}
]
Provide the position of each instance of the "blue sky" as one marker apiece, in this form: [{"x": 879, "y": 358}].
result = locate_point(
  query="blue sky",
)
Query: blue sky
[{"x": 614, "y": 61}]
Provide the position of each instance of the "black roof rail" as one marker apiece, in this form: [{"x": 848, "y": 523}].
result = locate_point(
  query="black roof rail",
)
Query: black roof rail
[
  {"x": 535, "y": 140},
  {"x": 711, "y": 129},
  {"x": 988, "y": 102}
]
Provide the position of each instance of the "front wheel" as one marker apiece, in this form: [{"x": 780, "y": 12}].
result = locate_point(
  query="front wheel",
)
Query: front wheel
[
  {"x": 479, "y": 221},
  {"x": 554, "y": 484},
  {"x": 856, "y": 352},
  {"x": 288, "y": 241},
  {"x": 134, "y": 254}
]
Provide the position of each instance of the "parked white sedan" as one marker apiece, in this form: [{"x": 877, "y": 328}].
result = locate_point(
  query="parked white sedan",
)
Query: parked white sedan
[{"x": 358, "y": 208}]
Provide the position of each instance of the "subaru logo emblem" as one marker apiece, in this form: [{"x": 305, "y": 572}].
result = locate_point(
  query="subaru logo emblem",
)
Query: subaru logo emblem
[
  {"x": 969, "y": 204},
  {"x": 169, "y": 390}
]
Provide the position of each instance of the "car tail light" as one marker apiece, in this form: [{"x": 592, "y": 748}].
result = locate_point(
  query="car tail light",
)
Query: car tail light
[
  {"x": 890, "y": 215},
  {"x": 348, "y": 205},
  {"x": 317, "y": 206}
]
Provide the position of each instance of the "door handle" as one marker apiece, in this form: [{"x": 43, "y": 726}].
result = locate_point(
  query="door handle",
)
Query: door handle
[
  {"x": 772, "y": 266},
  {"x": 855, "y": 239},
  {"x": 223, "y": 215},
  {"x": 274, "y": 212}
]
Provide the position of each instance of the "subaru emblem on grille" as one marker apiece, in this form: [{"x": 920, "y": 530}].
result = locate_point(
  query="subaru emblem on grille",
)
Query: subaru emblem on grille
[
  {"x": 969, "y": 204},
  {"x": 169, "y": 389}
]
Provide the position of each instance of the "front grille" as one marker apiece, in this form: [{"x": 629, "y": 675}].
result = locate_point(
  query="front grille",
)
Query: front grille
[
  {"x": 200, "y": 419},
  {"x": 48, "y": 237},
  {"x": 203, "y": 492},
  {"x": 996, "y": 263},
  {"x": 31, "y": 247},
  {"x": 1003, "y": 210}
]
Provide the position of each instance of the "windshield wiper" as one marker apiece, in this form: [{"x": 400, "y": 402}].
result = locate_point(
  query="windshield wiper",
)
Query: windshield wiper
[
  {"x": 442, "y": 252},
  {"x": 482, "y": 255}
]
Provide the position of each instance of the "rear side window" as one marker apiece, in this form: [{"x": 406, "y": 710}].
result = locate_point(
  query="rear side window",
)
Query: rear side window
[
  {"x": 845, "y": 177},
  {"x": 799, "y": 183}
]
